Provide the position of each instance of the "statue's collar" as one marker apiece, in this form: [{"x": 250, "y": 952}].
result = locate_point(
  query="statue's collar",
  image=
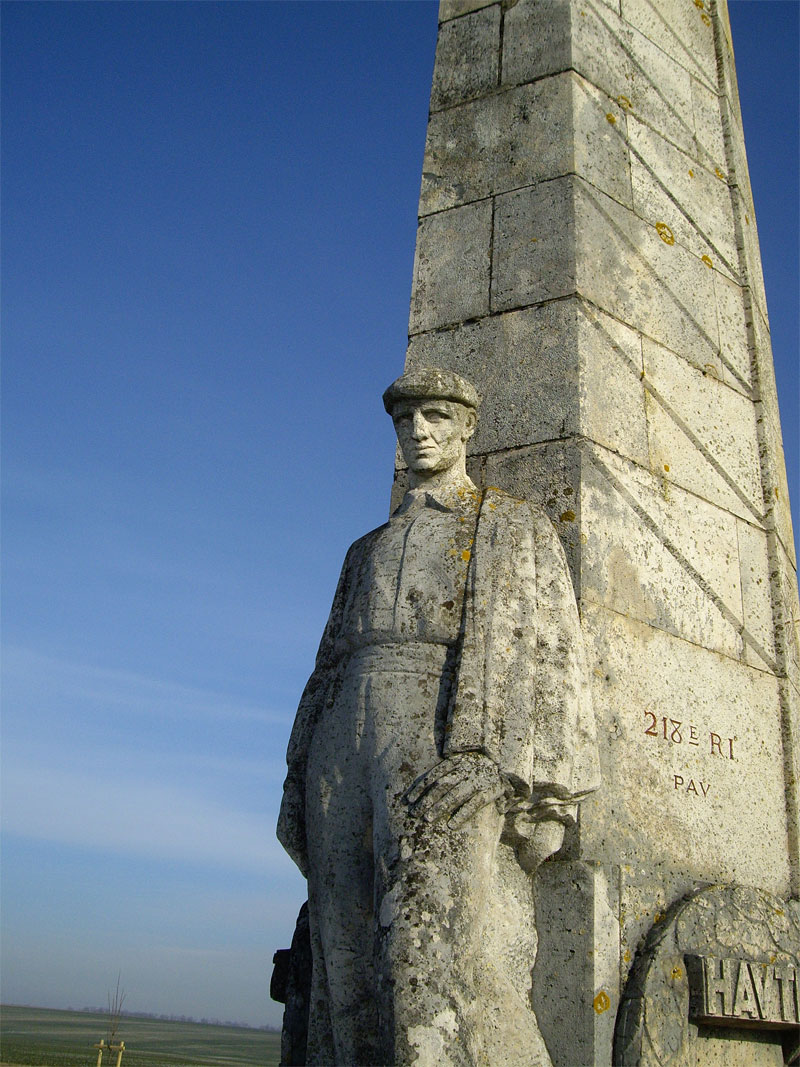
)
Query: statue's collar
[{"x": 463, "y": 497}]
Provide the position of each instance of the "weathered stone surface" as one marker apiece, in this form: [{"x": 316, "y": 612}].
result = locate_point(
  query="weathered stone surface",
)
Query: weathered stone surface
[
  {"x": 576, "y": 970},
  {"x": 680, "y": 792},
  {"x": 513, "y": 139},
  {"x": 588, "y": 255},
  {"x": 734, "y": 339},
  {"x": 655, "y": 553},
  {"x": 756, "y": 595},
  {"x": 702, "y": 434},
  {"x": 556, "y": 364},
  {"x": 689, "y": 41},
  {"x": 451, "y": 267},
  {"x": 545, "y": 38},
  {"x": 451, "y": 9},
  {"x": 441, "y": 747},
  {"x": 534, "y": 245},
  {"x": 732, "y": 949},
  {"x": 467, "y": 57},
  {"x": 670, "y": 186}
]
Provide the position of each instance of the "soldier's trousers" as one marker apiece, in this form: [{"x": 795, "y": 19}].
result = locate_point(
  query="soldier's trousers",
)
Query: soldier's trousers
[{"x": 406, "y": 915}]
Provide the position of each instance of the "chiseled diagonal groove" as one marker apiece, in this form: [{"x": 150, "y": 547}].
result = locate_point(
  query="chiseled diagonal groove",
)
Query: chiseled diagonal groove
[
  {"x": 686, "y": 49},
  {"x": 703, "y": 151},
  {"x": 654, "y": 274},
  {"x": 676, "y": 418},
  {"x": 676, "y": 553},
  {"x": 668, "y": 193}
]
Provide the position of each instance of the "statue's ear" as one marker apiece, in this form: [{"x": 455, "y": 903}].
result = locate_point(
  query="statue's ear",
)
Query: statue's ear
[{"x": 471, "y": 421}]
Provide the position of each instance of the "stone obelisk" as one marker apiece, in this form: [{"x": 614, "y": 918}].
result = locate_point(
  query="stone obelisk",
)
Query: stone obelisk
[{"x": 587, "y": 255}]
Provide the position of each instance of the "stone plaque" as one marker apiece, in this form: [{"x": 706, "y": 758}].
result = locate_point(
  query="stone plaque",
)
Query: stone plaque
[
  {"x": 715, "y": 984},
  {"x": 736, "y": 992}
]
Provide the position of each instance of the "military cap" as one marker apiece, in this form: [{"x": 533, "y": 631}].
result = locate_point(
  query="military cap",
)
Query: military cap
[{"x": 431, "y": 383}]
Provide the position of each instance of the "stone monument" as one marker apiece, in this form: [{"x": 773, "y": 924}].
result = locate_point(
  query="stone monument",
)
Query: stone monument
[
  {"x": 587, "y": 257},
  {"x": 440, "y": 749}
]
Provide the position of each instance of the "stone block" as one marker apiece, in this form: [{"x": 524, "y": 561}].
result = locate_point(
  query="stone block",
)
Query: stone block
[
  {"x": 601, "y": 149},
  {"x": 577, "y": 970},
  {"x": 670, "y": 716},
  {"x": 497, "y": 144},
  {"x": 681, "y": 29},
  {"x": 710, "y": 142},
  {"x": 773, "y": 465},
  {"x": 750, "y": 254},
  {"x": 467, "y": 57},
  {"x": 788, "y": 635},
  {"x": 534, "y": 245},
  {"x": 702, "y": 434},
  {"x": 556, "y": 126},
  {"x": 633, "y": 270},
  {"x": 660, "y": 90},
  {"x": 670, "y": 185},
  {"x": 652, "y": 552},
  {"x": 612, "y": 399},
  {"x": 536, "y": 40},
  {"x": 547, "y": 372},
  {"x": 658, "y": 554},
  {"x": 732, "y": 326},
  {"x": 542, "y": 37},
  {"x": 451, "y": 9},
  {"x": 451, "y": 267},
  {"x": 525, "y": 365},
  {"x": 754, "y": 567}
]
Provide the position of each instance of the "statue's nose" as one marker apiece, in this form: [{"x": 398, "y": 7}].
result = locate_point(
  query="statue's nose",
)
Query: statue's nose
[{"x": 419, "y": 427}]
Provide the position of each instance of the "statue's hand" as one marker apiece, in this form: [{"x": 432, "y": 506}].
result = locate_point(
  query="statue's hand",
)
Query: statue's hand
[
  {"x": 456, "y": 788},
  {"x": 534, "y": 840}
]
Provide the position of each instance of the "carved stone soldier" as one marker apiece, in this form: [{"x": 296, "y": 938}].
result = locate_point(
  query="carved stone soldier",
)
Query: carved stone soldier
[{"x": 441, "y": 746}]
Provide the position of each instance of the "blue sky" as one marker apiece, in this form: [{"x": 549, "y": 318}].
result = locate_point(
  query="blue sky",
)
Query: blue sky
[{"x": 209, "y": 214}]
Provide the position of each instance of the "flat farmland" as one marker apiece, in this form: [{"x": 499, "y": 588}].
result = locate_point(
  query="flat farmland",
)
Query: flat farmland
[{"x": 40, "y": 1037}]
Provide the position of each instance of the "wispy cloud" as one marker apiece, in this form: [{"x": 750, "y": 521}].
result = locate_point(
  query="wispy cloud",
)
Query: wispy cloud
[
  {"x": 39, "y": 676},
  {"x": 120, "y": 813}
]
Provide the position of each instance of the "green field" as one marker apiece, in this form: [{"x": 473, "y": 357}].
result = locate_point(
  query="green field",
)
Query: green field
[{"x": 38, "y": 1036}]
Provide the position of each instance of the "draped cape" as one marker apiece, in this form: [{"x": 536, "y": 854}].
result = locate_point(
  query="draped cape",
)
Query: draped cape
[{"x": 521, "y": 694}]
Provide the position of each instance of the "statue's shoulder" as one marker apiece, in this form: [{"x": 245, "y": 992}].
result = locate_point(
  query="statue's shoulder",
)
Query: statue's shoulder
[
  {"x": 499, "y": 502},
  {"x": 517, "y": 510},
  {"x": 364, "y": 543}
]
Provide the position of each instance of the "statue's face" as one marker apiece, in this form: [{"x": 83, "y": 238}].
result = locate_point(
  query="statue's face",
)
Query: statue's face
[{"x": 433, "y": 434}]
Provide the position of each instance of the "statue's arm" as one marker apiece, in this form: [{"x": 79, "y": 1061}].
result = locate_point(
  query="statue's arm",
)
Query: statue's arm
[{"x": 291, "y": 828}]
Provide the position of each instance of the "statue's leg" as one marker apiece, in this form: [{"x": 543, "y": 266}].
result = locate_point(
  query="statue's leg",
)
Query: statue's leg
[
  {"x": 343, "y": 1017},
  {"x": 433, "y": 888}
]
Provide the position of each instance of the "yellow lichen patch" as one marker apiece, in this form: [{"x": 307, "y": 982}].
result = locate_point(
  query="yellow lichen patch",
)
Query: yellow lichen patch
[
  {"x": 677, "y": 973},
  {"x": 691, "y": 173},
  {"x": 624, "y": 102},
  {"x": 719, "y": 174},
  {"x": 707, "y": 260},
  {"x": 465, "y": 555},
  {"x": 666, "y": 466},
  {"x": 626, "y": 958},
  {"x": 746, "y": 221},
  {"x": 611, "y": 118},
  {"x": 567, "y": 516},
  {"x": 602, "y": 1002},
  {"x": 706, "y": 19},
  {"x": 699, "y": 3},
  {"x": 665, "y": 233}
]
